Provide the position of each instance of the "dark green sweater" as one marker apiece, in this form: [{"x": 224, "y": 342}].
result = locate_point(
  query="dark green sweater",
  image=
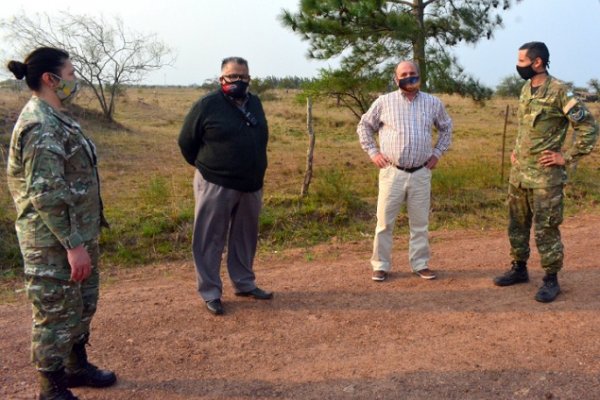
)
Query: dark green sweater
[{"x": 227, "y": 150}]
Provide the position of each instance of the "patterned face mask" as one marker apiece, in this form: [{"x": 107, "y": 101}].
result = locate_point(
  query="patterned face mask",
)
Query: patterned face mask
[
  {"x": 66, "y": 89},
  {"x": 410, "y": 83},
  {"x": 237, "y": 89}
]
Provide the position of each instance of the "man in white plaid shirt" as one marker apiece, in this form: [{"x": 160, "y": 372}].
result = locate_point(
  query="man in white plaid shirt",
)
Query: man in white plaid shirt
[{"x": 404, "y": 120}]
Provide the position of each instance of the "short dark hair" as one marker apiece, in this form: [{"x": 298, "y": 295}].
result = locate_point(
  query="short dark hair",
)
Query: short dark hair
[
  {"x": 38, "y": 62},
  {"x": 535, "y": 50},
  {"x": 236, "y": 60}
]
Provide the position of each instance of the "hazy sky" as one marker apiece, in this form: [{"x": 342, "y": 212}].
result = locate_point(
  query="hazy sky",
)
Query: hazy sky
[{"x": 202, "y": 32}]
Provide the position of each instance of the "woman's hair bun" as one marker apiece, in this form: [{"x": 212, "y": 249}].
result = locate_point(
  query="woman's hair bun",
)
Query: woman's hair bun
[{"x": 18, "y": 68}]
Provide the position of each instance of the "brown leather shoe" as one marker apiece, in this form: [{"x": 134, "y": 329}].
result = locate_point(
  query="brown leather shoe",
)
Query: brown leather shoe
[
  {"x": 426, "y": 274},
  {"x": 379, "y": 275}
]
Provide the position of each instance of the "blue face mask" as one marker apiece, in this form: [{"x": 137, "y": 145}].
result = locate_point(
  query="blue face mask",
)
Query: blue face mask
[{"x": 407, "y": 83}]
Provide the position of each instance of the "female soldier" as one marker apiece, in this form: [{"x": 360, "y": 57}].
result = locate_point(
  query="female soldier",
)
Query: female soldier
[{"x": 53, "y": 180}]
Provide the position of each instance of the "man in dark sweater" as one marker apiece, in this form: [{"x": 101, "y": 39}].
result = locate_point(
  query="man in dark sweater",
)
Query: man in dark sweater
[{"x": 225, "y": 137}]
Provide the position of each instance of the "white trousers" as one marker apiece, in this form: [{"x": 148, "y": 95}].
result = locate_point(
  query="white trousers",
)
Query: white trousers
[{"x": 397, "y": 187}]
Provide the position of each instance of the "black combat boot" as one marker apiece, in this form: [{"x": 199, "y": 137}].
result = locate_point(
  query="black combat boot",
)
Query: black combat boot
[
  {"x": 516, "y": 274},
  {"x": 53, "y": 386},
  {"x": 80, "y": 372},
  {"x": 549, "y": 290}
]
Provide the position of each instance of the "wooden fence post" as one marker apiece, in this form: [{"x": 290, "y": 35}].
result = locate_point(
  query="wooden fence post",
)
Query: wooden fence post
[{"x": 311, "y": 148}]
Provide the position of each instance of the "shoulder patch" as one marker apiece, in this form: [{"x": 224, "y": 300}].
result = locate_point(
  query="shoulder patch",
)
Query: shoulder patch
[{"x": 576, "y": 114}]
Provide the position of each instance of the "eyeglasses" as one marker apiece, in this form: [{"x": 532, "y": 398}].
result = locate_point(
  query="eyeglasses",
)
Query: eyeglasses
[{"x": 236, "y": 77}]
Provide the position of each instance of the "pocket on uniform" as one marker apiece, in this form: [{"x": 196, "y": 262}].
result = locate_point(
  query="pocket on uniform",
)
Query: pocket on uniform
[
  {"x": 36, "y": 256},
  {"x": 535, "y": 119},
  {"x": 549, "y": 209},
  {"x": 78, "y": 162},
  {"x": 46, "y": 294}
]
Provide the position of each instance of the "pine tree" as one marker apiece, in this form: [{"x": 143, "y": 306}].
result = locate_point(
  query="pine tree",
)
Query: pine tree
[{"x": 375, "y": 34}]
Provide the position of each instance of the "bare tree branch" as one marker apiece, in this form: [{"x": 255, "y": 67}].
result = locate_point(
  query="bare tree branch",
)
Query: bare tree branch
[{"x": 105, "y": 54}]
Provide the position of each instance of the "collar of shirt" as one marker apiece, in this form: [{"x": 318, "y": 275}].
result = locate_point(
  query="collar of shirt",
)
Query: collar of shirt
[
  {"x": 542, "y": 89},
  {"x": 63, "y": 116}
]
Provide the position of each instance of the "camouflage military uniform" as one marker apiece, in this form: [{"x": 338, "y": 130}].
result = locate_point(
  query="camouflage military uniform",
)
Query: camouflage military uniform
[
  {"x": 53, "y": 179},
  {"x": 535, "y": 193}
]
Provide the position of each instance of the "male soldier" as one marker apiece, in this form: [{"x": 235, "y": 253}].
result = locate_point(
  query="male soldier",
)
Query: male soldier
[{"x": 535, "y": 196}]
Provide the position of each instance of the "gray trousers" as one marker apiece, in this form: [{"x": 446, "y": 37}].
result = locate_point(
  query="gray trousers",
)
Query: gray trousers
[{"x": 224, "y": 216}]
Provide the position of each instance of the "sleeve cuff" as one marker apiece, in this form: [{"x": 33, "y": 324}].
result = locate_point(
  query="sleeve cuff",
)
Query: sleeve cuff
[
  {"x": 437, "y": 153},
  {"x": 72, "y": 241},
  {"x": 373, "y": 152}
]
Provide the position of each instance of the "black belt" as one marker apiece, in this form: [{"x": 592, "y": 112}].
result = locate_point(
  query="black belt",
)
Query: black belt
[{"x": 410, "y": 170}]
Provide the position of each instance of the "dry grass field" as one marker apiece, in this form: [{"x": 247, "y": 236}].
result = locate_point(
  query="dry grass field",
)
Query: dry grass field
[{"x": 147, "y": 190}]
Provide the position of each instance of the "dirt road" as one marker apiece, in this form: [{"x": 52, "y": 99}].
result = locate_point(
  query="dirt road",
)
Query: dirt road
[{"x": 332, "y": 333}]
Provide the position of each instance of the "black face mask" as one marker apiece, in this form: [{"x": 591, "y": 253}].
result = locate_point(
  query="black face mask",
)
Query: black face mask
[
  {"x": 237, "y": 89},
  {"x": 526, "y": 72},
  {"x": 404, "y": 83}
]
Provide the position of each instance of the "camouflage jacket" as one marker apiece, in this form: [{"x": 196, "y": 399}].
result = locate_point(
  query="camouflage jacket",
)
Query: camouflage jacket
[
  {"x": 544, "y": 118},
  {"x": 53, "y": 180}
]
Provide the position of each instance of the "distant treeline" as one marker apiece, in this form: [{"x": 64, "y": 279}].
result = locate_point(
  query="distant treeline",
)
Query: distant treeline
[
  {"x": 258, "y": 84},
  {"x": 509, "y": 86},
  {"x": 262, "y": 84},
  {"x": 269, "y": 82}
]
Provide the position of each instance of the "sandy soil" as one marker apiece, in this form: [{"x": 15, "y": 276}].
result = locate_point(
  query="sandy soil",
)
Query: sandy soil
[{"x": 332, "y": 333}]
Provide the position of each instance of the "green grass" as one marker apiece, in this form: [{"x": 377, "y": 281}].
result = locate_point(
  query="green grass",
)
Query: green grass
[
  {"x": 331, "y": 209},
  {"x": 157, "y": 228}
]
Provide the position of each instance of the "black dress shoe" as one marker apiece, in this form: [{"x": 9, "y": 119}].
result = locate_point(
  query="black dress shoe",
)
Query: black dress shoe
[
  {"x": 257, "y": 293},
  {"x": 215, "y": 306}
]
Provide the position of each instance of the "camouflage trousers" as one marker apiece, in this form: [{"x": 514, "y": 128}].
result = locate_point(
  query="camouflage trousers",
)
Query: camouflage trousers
[
  {"x": 543, "y": 208},
  {"x": 62, "y": 309}
]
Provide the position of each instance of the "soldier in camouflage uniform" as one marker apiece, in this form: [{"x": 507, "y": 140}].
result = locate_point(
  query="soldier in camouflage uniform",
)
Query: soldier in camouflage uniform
[
  {"x": 535, "y": 197},
  {"x": 53, "y": 179}
]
